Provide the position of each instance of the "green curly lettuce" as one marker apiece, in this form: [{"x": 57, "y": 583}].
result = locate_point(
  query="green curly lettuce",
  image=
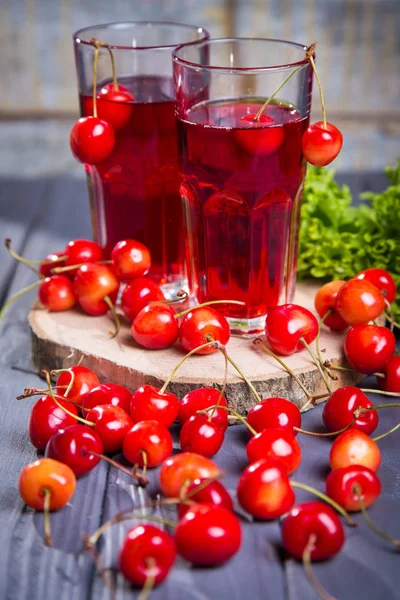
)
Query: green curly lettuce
[{"x": 337, "y": 240}]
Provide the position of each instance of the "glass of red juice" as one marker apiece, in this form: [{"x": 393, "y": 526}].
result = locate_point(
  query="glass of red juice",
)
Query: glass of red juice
[
  {"x": 243, "y": 173},
  {"x": 134, "y": 192}
]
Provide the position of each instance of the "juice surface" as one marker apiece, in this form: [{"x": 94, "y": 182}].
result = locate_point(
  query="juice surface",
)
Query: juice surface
[
  {"x": 134, "y": 192},
  {"x": 242, "y": 186}
]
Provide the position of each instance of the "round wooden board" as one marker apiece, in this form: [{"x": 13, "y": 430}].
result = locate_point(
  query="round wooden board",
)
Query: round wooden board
[{"x": 60, "y": 340}]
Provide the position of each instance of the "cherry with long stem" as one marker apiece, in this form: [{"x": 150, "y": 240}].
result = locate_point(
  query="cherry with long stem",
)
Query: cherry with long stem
[
  {"x": 29, "y": 262},
  {"x": 210, "y": 303},
  {"x": 12, "y": 299},
  {"x": 222, "y": 391},
  {"x": 369, "y": 521},
  {"x": 47, "y": 538}
]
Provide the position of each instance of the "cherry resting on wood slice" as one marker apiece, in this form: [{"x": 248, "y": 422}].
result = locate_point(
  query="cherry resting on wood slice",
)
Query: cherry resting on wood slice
[
  {"x": 369, "y": 347},
  {"x": 147, "y": 551},
  {"x": 81, "y": 251},
  {"x": 93, "y": 283},
  {"x": 287, "y": 325},
  {"x": 50, "y": 262},
  {"x": 208, "y": 535},
  {"x": 274, "y": 412},
  {"x": 46, "y": 418},
  {"x": 200, "y": 325},
  {"x": 325, "y": 300},
  {"x": 382, "y": 279},
  {"x": 359, "y": 301},
  {"x": 155, "y": 326},
  {"x": 138, "y": 294},
  {"x": 339, "y": 410},
  {"x": 56, "y": 293}
]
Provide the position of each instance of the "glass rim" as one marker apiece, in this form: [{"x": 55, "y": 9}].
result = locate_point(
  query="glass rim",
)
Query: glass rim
[
  {"x": 78, "y": 40},
  {"x": 227, "y": 69}
]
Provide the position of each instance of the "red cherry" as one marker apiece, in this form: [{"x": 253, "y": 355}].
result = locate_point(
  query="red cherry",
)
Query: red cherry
[
  {"x": 276, "y": 444},
  {"x": 201, "y": 399},
  {"x": 179, "y": 470},
  {"x": 108, "y": 393},
  {"x": 50, "y": 262},
  {"x": 325, "y": 300},
  {"x": 287, "y": 325},
  {"x": 92, "y": 283},
  {"x": 82, "y": 251},
  {"x": 274, "y": 412},
  {"x": 47, "y": 418},
  {"x": 91, "y": 140},
  {"x": 199, "y": 325},
  {"x": 130, "y": 259},
  {"x": 208, "y": 535},
  {"x": 369, "y": 347},
  {"x": 111, "y": 424},
  {"x": 46, "y": 474},
  {"x": 84, "y": 381},
  {"x": 155, "y": 326},
  {"x": 151, "y": 438},
  {"x": 73, "y": 445},
  {"x": 359, "y": 301},
  {"x": 354, "y": 447},
  {"x": 148, "y": 404},
  {"x": 264, "y": 490},
  {"x": 341, "y": 486},
  {"x": 213, "y": 493},
  {"x": 321, "y": 145},
  {"x": 147, "y": 551},
  {"x": 263, "y": 136},
  {"x": 114, "y": 105},
  {"x": 339, "y": 410},
  {"x": 312, "y": 518},
  {"x": 381, "y": 279},
  {"x": 201, "y": 436},
  {"x": 391, "y": 381},
  {"x": 137, "y": 294},
  {"x": 56, "y": 293}
]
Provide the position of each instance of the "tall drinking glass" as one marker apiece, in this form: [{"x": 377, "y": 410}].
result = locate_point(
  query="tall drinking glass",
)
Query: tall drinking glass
[
  {"x": 243, "y": 173},
  {"x": 134, "y": 192}
]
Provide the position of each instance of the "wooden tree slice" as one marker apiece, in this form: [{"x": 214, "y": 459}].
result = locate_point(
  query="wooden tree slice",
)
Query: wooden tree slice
[{"x": 60, "y": 340}]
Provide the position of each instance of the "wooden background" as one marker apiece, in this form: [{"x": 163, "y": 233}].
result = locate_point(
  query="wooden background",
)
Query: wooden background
[{"x": 358, "y": 58}]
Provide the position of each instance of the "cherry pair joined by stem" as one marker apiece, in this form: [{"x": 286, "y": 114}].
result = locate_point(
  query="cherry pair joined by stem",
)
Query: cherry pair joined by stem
[{"x": 114, "y": 105}]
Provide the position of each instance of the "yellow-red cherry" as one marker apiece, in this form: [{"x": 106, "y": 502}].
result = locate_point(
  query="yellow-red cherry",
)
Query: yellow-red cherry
[
  {"x": 359, "y": 301},
  {"x": 321, "y": 144},
  {"x": 44, "y": 475},
  {"x": 137, "y": 294},
  {"x": 325, "y": 300},
  {"x": 339, "y": 410},
  {"x": 47, "y": 418},
  {"x": 312, "y": 519},
  {"x": 91, "y": 140},
  {"x": 287, "y": 325},
  {"x": 181, "y": 469},
  {"x": 354, "y": 447},
  {"x": 92, "y": 283},
  {"x": 147, "y": 552},
  {"x": 155, "y": 326},
  {"x": 200, "y": 325},
  {"x": 347, "y": 484},
  {"x": 264, "y": 490},
  {"x": 130, "y": 259},
  {"x": 369, "y": 347},
  {"x": 56, "y": 293}
]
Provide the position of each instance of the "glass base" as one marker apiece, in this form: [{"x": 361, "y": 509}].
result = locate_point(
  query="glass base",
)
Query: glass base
[
  {"x": 171, "y": 289},
  {"x": 247, "y": 328}
]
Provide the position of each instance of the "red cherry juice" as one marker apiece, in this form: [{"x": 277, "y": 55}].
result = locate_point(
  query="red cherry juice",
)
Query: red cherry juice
[
  {"x": 134, "y": 192},
  {"x": 242, "y": 187}
]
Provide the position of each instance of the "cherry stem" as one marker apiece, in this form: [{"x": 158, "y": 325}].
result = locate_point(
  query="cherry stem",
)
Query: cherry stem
[
  {"x": 140, "y": 478},
  {"x": 68, "y": 268},
  {"x": 12, "y": 299},
  {"x": 242, "y": 375},
  {"x": 383, "y": 435},
  {"x": 150, "y": 578},
  {"x": 391, "y": 315},
  {"x": 268, "y": 100},
  {"x": 258, "y": 342},
  {"x": 369, "y": 521},
  {"x": 117, "y": 322},
  {"x": 144, "y": 458},
  {"x": 203, "y": 484},
  {"x": 317, "y": 339},
  {"x": 27, "y": 261},
  {"x": 180, "y": 363},
  {"x": 222, "y": 391},
  {"x": 317, "y": 364},
  {"x": 124, "y": 515},
  {"x": 322, "y": 593},
  {"x": 328, "y": 433},
  {"x": 95, "y": 61},
  {"x": 327, "y": 499},
  {"x": 232, "y": 412},
  {"x": 321, "y": 95},
  {"x": 361, "y": 410},
  {"x": 181, "y": 296},
  {"x": 383, "y": 392},
  {"x": 71, "y": 382},
  {"x": 80, "y": 419},
  {"x": 185, "y": 312},
  {"x": 98, "y": 563},
  {"x": 340, "y": 368},
  {"x": 47, "y": 538}
]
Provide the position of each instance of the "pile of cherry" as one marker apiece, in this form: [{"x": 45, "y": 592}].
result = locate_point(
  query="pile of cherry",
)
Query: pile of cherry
[{"x": 80, "y": 421}]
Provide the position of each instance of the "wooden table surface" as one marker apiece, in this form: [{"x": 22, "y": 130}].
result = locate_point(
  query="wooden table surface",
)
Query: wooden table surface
[{"x": 41, "y": 216}]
